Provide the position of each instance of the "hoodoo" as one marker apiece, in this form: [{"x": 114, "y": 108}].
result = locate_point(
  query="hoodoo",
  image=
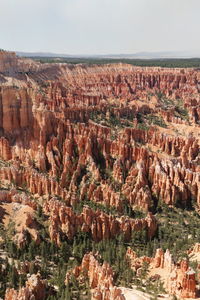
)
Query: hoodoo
[{"x": 99, "y": 170}]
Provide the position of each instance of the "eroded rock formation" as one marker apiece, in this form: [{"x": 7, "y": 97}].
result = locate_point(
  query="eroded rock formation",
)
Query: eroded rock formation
[
  {"x": 98, "y": 224},
  {"x": 100, "y": 278},
  {"x": 178, "y": 278},
  {"x": 63, "y": 127},
  {"x": 35, "y": 289},
  {"x": 114, "y": 138}
]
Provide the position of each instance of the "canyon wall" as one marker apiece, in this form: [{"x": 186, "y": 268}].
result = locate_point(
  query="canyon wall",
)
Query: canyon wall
[{"x": 100, "y": 149}]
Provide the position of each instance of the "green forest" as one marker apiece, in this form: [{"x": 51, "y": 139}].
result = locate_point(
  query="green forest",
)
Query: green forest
[{"x": 164, "y": 62}]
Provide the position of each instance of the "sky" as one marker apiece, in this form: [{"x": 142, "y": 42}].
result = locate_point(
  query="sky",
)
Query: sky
[{"x": 100, "y": 26}]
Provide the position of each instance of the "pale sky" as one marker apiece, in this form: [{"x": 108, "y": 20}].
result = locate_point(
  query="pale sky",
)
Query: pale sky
[{"x": 99, "y": 26}]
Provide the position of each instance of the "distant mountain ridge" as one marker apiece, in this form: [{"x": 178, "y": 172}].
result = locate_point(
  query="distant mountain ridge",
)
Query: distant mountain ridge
[{"x": 138, "y": 55}]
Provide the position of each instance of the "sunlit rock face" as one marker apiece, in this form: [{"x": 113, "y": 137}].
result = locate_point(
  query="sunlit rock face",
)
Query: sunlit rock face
[
  {"x": 90, "y": 115},
  {"x": 178, "y": 278},
  {"x": 8, "y": 62},
  {"x": 35, "y": 289},
  {"x": 100, "y": 279},
  {"x": 91, "y": 145}
]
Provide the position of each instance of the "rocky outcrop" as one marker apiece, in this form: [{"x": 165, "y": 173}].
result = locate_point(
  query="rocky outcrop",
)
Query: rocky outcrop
[
  {"x": 16, "y": 112},
  {"x": 100, "y": 278},
  {"x": 14, "y": 196},
  {"x": 98, "y": 224},
  {"x": 178, "y": 278},
  {"x": 25, "y": 226},
  {"x": 194, "y": 250},
  {"x": 8, "y": 62},
  {"x": 35, "y": 289},
  {"x": 19, "y": 209},
  {"x": 5, "y": 149}
]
